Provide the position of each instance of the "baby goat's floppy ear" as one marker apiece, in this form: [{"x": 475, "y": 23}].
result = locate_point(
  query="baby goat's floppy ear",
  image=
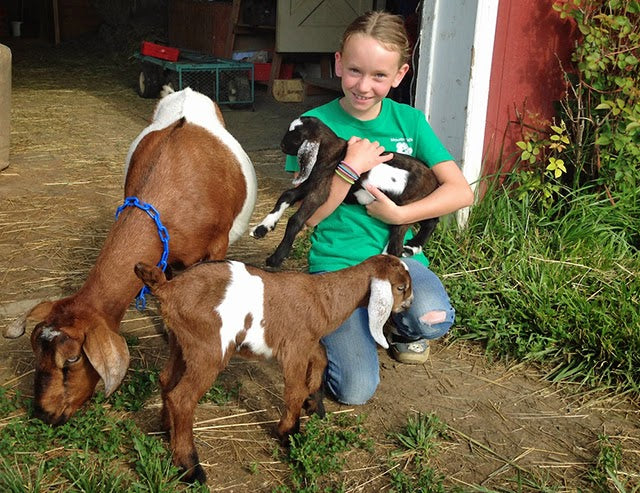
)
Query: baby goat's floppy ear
[
  {"x": 380, "y": 305},
  {"x": 307, "y": 156}
]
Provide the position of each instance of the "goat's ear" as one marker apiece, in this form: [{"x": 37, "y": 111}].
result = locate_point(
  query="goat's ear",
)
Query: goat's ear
[
  {"x": 380, "y": 305},
  {"x": 108, "y": 354},
  {"x": 151, "y": 275},
  {"x": 307, "y": 157},
  {"x": 38, "y": 313}
]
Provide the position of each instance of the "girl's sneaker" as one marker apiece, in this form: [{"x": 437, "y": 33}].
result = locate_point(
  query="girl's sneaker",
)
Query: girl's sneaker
[{"x": 409, "y": 352}]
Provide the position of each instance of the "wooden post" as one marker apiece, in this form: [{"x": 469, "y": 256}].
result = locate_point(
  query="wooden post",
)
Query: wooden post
[{"x": 56, "y": 22}]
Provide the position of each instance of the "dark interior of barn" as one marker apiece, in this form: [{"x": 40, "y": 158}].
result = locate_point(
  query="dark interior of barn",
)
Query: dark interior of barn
[{"x": 288, "y": 64}]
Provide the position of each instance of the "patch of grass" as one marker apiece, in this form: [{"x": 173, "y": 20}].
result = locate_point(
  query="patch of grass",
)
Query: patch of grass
[
  {"x": 99, "y": 450},
  {"x": 417, "y": 443},
  {"x": 221, "y": 395},
  {"x": 136, "y": 388},
  {"x": 559, "y": 288},
  {"x": 605, "y": 476},
  {"x": 318, "y": 453},
  {"x": 301, "y": 245}
]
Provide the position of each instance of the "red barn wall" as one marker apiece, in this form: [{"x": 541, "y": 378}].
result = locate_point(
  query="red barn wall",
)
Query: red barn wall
[{"x": 531, "y": 42}]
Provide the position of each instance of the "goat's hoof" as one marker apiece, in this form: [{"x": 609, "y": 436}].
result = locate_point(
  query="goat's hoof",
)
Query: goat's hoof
[
  {"x": 285, "y": 435},
  {"x": 195, "y": 475},
  {"x": 314, "y": 404},
  {"x": 273, "y": 261},
  {"x": 410, "y": 251},
  {"x": 259, "y": 231}
]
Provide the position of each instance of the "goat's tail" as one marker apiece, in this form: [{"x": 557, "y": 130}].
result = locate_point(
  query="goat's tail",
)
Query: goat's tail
[{"x": 151, "y": 275}]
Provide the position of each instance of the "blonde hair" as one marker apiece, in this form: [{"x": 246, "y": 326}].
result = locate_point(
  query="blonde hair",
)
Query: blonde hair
[{"x": 387, "y": 29}]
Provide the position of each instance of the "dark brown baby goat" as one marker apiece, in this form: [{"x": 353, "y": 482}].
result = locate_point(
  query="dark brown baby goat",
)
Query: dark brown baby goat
[
  {"x": 403, "y": 179},
  {"x": 216, "y": 309}
]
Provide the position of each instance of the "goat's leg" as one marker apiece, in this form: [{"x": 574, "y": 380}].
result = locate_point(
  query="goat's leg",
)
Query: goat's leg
[
  {"x": 314, "y": 404},
  {"x": 198, "y": 376},
  {"x": 286, "y": 200},
  {"x": 295, "y": 225},
  {"x": 396, "y": 239},
  {"x": 169, "y": 377},
  {"x": 218, "y": 247},
  {"x": 295, "y": 392},
  {"x": 414, "y": 245}
]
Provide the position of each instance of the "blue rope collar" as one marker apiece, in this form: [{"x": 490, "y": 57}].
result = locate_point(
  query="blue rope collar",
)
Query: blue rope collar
[{"x": 141, "y": 302}]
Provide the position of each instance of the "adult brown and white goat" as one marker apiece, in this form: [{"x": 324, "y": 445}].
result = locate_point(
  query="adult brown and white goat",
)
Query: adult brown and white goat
[
  {"x": 216, "y": 309},
  {"x": 319, "y": 150},
  {"x": 202, "y": 183}
]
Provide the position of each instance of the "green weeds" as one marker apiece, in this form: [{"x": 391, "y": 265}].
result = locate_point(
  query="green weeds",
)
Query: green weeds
[
  {"x": 317, "y": 454},
  {"x": 418, "y": 443},
  {"x": 560, "y": 289},
  {"x": 99, "y": 450}
]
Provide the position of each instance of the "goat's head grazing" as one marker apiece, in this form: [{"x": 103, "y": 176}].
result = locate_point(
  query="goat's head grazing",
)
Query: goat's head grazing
[
  {"x": 390, "y": 292},
  {"x": 303, "y": 140},
  {"x": 72, "y": 353}
]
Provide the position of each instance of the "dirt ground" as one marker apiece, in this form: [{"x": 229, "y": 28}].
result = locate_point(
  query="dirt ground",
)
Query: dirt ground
[{"x": 72, "y": 124}]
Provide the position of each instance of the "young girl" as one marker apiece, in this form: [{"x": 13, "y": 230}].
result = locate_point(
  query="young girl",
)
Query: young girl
[{"x": 373, "y": 59}]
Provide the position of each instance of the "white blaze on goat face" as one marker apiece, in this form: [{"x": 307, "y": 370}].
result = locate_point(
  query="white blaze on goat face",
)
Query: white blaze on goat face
[
  {"x": 294, "y": 124},
  {"x": 385, "y": 178},
  {"x": 49, "y": 333},
  {"x": 244, "y": 296}
]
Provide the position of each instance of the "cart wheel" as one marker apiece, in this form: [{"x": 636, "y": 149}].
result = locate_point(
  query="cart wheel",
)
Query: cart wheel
[
  {"x": 171, "y": 80},
  {"x": 149, "y": 81}
]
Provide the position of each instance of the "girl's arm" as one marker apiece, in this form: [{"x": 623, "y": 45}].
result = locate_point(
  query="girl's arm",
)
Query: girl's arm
[
  {"x": 362, "y": 155},
  {"x": 453, "y": 193}
]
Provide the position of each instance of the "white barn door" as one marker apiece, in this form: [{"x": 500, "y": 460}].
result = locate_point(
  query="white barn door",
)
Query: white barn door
[{"x": 452, "y": 86}]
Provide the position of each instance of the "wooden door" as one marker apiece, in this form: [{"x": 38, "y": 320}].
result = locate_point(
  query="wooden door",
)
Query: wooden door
[{"x": 315, "y": 26}]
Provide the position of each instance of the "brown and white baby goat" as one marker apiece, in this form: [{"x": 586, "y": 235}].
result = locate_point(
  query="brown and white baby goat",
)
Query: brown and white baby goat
[
  {"x": 404, "y": 179},
  {"x": 216, "y": 309},
  {"x": 202, "y": 183}
]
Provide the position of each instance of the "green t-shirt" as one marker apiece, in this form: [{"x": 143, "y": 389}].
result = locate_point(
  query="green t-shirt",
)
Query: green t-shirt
[{"x": 348, "y": 236}]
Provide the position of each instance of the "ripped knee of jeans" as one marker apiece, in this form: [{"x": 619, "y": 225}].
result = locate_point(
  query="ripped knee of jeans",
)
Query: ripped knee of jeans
[{"x": 434, "y": 317}]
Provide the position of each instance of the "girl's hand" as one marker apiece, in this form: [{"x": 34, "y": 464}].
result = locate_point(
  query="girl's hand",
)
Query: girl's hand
[
  {"x": 383, "y": 208},
  {"x": 362, "y": 154}
]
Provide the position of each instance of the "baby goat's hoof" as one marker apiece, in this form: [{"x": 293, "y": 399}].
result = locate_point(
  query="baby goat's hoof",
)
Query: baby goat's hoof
[
  {"x": 195, "y": 475},
  {"x": 284, "y": 435},
  {"x": 274, "y": 261},
  {"x": 314, "y": 404},
  {"x": 259, "y": 231},
  {"x": 410, "y": 251}
]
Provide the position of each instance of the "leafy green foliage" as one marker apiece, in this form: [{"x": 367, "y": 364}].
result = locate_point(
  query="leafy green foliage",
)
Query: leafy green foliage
[
  {"x": 418, "y": 442},
  {"x": 87, "y": 454},
  {"x": 603, "y": 102},
  {"x": 559, "y": 288},
  {"x": 319, "y": 451},
  {"x": 136, "y": 388},
  {"x": 220, "y": 395},
  {"x": 541, "y": 166},
  {"x": 606, "y": 465}
]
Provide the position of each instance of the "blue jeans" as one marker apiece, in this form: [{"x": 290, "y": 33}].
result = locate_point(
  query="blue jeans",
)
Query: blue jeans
[{"x": 352, "y": 373}]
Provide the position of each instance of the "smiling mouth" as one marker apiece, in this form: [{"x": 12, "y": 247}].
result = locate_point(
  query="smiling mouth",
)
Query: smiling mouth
[{"x": 360, "y": 98}]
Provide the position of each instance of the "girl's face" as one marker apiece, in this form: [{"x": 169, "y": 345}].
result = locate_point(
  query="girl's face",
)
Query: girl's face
[{"x": 368, "y": 71}]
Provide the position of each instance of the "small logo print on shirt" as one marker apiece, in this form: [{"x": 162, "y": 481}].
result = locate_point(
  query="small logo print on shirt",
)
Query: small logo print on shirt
[{"x": 404, "y": 148}]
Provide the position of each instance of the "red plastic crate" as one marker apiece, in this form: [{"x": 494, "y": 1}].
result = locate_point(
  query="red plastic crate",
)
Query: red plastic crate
[{"x": 159, "y": 51}]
